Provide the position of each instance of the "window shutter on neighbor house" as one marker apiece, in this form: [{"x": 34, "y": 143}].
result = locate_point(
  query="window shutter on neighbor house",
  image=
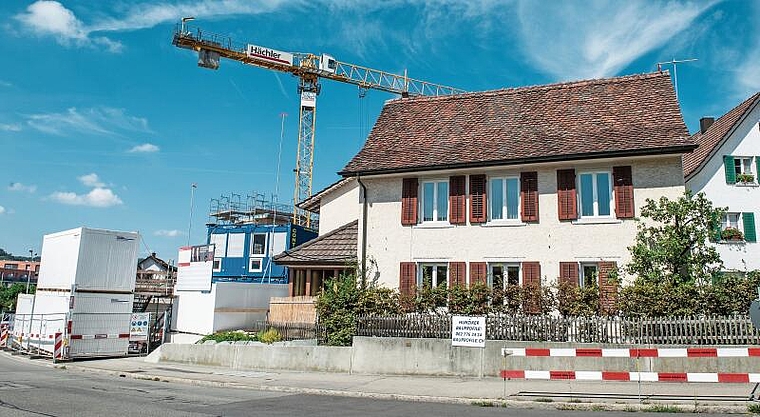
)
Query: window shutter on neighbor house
[
  {"x": 568, "y": 272},
  {"x": 750, "y": 235},
  {"x": 607, "y": 288},
  {"x": 529, "y": 196},
  {"x": 478, "y": 205},
  {"x": 728, "y": 164},
  {"x": 457, "y": 197},
  {"x": 457, "y": 274},
  {"x": 409, "y": 201},
  {"x": 407, "y": 278},
  {"x": 566, "y": 198},
  {"x": 623, "y": 180},
  {"x": 478, "y": 273},
  {"x": 531, "y": 278}
]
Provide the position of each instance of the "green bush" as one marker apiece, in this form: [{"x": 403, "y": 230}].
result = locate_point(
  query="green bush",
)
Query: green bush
[
  {"x": 229, "y": 336},
  {"x": 269, "y": 336}
]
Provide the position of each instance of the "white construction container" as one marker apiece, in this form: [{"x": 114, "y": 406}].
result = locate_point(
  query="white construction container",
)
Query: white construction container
[
  {"x": 23, "y": 319},
  {"x": 89, "y": 260}
]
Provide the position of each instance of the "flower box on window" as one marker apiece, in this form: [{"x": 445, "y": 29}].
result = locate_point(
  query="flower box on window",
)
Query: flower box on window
[
  {"x": 745, "y": 178},
  {"x": 731, "y": 234}
]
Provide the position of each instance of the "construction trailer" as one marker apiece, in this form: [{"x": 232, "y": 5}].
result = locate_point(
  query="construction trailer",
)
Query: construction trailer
[
  {"x": 227, "y": 283},
  {"x": 85, "y": 292}
]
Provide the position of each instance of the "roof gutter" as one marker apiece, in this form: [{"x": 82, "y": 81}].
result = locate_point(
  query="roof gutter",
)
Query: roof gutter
[
  {"x": 554, "y": 158},
  {"x": 363, "y": 271}
]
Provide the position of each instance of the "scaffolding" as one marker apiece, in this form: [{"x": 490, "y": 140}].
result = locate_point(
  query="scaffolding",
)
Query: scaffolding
[{"x": 255, "y": 208}]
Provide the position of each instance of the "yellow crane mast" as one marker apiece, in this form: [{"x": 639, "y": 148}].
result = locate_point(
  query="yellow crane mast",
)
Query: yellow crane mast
[{"x": 309, "y": 68}]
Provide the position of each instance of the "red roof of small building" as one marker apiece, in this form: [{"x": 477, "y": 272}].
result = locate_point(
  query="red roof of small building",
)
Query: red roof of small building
[
  {"x": 622, "y": 116},
  {"x": 710, "y": 141}
]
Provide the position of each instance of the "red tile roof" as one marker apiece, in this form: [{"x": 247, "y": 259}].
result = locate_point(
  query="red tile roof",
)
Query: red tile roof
[
  {"x": 334, "y": 249},
  {"x": 716, "y": 135},
  {"x": 631, "y": 115}
]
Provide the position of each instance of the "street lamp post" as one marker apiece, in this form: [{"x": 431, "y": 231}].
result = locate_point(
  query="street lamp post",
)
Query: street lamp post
[
  {"x": 193, "y": 186},
  {"x": 31, "y": 270}
]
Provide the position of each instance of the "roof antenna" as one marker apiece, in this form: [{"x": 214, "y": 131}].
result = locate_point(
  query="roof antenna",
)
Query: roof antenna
[{"x": 674, "y": 62}]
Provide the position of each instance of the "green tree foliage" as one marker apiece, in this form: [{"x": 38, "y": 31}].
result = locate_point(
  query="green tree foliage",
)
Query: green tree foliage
[
  {"x": 672, "y": 242},
  {"x": 574, "y": 300},
  {"x": 9, "y": 295}
]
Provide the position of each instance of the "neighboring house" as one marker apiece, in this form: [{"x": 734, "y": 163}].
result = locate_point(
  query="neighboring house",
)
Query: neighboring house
[
  {"x": 154, "y": 267},
  {"x": 725, "y": 167},
  {"x": 18, "y": 271},
  {"x": 523, "y": 185}
]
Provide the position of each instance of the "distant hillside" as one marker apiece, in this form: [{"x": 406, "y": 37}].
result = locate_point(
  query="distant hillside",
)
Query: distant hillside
[{"x": 7, "y": 256}]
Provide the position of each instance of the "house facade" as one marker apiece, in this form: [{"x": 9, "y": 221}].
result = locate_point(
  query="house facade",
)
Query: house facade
[
  {"x": 519, "y": 186},
  {"x": 725, "y": 167}
]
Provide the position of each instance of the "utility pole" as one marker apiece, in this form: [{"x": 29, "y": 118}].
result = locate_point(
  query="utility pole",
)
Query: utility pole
[
  {"x": 30, "y": 271},
  {"x": 193, "y": 186},
  {"x": 674, "y": 62}
]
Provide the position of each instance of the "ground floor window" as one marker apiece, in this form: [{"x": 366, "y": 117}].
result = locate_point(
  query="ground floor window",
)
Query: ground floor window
[
  {"x": 433, "y": 276},
  {"x": 589, "y": 275},
  {"x": 500, "y": 275}
]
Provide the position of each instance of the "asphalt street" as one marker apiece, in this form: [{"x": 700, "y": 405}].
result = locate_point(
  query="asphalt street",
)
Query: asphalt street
[{"x": 34, "y": 388}]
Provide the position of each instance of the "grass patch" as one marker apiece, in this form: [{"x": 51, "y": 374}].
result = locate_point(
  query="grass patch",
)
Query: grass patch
[
  {"x": 598, "y": 407},
  {"x": 543, "y": 400},
  {"x": 753, "y": 408},
  {"x": 229, "y": 336},
  {"x": 574, "y": 400},
  {"x": 483, "y": 403},
  {"x": 663, "y": 408}
]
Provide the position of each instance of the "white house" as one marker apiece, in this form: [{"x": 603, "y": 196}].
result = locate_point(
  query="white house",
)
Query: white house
[
  {"x": 725, "y": 167},
  {"x": 523, "y": 185}
]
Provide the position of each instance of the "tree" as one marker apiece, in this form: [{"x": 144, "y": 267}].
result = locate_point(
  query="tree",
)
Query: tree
[{"x": 672, "y": 242}]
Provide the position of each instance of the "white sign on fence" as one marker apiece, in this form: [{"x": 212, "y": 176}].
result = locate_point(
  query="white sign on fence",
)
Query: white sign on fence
[
  {"x": 468, "y": 331},
  {"x": 138, "y": 327}
]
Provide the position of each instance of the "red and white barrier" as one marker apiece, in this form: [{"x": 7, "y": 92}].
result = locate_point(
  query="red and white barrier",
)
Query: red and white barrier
[
  {"x": 708, "y": 352},
  {"x": 3, "y": 336},
  {"x": 633, "y": 376},
  {"x": 58, "y": 347}
]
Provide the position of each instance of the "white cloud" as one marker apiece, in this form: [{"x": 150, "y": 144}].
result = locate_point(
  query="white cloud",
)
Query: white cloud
[
  {"x": 145, "y": 148},
  {"x": 51, "y": 18},
  {"x": 600, "y": 38},
  {"x": 17, "y": 186},
  {"x": 95, "y": 120},
  {"x": 98, "y": 197},
  {"x": 14, "y": 127},
  {"x": 4, "y": 83},
  {"x": 2, "y": 210},
  {"x": 168, "y": 233},
  {"x": 91, "y": 180}
]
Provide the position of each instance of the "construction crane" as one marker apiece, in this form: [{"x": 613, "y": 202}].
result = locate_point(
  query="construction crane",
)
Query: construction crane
[{"x": 309, "y": 68}]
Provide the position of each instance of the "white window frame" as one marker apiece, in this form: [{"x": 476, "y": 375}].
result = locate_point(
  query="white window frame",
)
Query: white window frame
[
  {"x": 579, "y": 186},
  {"x": 582, "y": 273},
  {"x": 436, "y": 216},
  {"x": 504, "y": 213},
  {"x": 436, "y": 280},
  {"x": 505, "y": 279},
  {"x": 261, "y": 264},
  {"x": 264, "y": 248},
  {"x": 744, "y": 165},
  {"x": 217, "y": 265}
]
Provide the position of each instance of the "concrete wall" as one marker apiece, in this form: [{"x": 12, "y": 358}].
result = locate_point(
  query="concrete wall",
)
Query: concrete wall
[
  {"x": 402, "y": 356},
  {"x": 711, "y": 179},
  {"x": 549, "y": 241},
  {"x": 339, "y": 207}
]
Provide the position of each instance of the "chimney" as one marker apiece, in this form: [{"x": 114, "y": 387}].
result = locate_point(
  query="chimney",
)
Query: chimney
[
  {"x": 153, "y": 254},
  {"x": 705, "y": 123}
]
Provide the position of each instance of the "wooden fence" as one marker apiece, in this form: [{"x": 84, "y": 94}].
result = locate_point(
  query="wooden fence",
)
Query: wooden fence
[
  {"x": 299, "y": 309},
  {"x": 732, "y": 330}
]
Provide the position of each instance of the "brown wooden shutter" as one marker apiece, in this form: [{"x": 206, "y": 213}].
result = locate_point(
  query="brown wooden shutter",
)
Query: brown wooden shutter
[
  {"x": 478, "y": 200},
  {"x": 531, "y": 279},
  {"x": 607, "y": 288},
  {"x": 568, "y": 272},
  {"x": 457, "y": 274},
  {"x": 409, "y": 201},
  {"x": 408, "y": 278},
  {"x": 478, "y": 273},
  {"x": 566, "y": 198},
  {"x": 623, "y": 180},
  {"x": 529, "y": 196},
  {"x": 457, "y": 197}
]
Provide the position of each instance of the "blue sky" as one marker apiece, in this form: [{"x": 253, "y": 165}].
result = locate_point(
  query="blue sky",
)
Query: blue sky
[{"x": 104, "y": 123}]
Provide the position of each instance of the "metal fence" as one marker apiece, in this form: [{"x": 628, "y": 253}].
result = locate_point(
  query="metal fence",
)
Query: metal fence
[
  {"x": 292, "y": 331},
  {"x": 731, "y": 330}
]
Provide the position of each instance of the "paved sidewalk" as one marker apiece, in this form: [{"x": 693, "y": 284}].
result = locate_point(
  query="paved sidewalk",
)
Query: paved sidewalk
[{"x": 708, "y": 397}]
